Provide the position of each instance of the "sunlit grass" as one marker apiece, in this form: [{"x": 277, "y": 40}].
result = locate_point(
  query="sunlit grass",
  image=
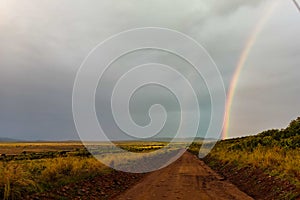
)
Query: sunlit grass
[
  {"x": 276, "y": 152},
  {"x": 23, "y": 173},
  {"x": 280, "y": 162},
  {"x": 23, "y": 177}
]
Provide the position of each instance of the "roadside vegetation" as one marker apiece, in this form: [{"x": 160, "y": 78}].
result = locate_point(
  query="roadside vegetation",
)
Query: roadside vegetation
[
  {"x": 275, "y": 152},
  {"x": 30, "y": 168},
  {"x": 30, "y": 176}
]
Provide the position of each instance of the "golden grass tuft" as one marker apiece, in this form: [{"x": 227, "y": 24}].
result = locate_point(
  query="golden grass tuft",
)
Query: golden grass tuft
[
  {"x": 284, "y": 163},
  {"x": 24, "y": 177},
  {"x": 14, "y": 178}
]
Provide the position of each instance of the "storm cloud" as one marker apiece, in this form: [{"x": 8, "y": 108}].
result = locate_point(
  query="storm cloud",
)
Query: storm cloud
[{"x": 43, "y": 43}]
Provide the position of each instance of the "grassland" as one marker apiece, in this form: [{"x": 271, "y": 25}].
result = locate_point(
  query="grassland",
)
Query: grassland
[
  {"x": 14, "y": 148},
  {"x": 27, "y": 168},
  {"x": 275, "y": 152},
  {"x": 24, "y": 177},
  {"x": 34, "y": 167}
]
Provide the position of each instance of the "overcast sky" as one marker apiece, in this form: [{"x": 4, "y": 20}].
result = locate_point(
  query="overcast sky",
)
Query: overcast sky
[{"x": 43, "y": 43}]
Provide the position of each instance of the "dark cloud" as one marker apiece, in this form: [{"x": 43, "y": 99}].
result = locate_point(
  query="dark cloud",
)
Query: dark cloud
[{"x": 42, "y": 44}]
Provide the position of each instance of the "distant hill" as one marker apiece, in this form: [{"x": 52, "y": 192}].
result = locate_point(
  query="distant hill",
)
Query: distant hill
[{"x": 5, "y": 139}]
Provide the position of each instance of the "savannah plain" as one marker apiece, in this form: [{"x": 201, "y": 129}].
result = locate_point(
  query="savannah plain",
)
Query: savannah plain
[{"x": 263, "y": 166}]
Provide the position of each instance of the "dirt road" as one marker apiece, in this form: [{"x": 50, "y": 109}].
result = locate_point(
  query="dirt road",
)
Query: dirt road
[{"x": 187, "y": 178}]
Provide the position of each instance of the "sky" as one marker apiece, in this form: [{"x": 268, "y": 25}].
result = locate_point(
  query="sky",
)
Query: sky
[{"x": 43, "y": 43}]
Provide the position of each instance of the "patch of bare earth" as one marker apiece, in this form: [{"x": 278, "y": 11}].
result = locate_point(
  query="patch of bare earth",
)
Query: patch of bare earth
[{"x": 254, "y": 181}]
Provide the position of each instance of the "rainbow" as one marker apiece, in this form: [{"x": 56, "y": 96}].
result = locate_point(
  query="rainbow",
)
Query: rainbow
[{"x": 241, "y": 62}]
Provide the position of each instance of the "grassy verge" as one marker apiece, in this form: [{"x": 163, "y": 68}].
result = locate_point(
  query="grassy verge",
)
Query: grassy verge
[
  {"x": 273, "y": 160},
  {"x": 269, "y": 162},
  {"x": 275, "y": 170},
  {"x": 19, "y": 178}
]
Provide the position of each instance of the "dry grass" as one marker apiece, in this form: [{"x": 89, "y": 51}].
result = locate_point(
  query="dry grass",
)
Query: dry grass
[
  {"x": 277, "y": 161},
  {"x": 13, "y": 181},
  {"x": 24, "y": 177},
  {"x": 13, "y": 148}
]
